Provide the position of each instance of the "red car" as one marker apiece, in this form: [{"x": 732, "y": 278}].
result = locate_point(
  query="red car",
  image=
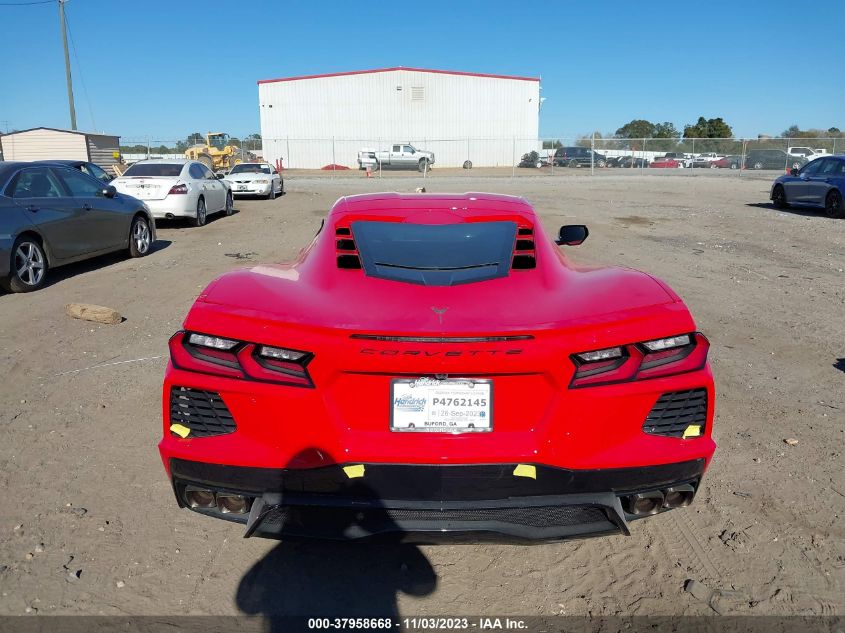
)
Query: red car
[
  {"x": 434, "y": 364},
  {"x": 728, "y": 162},
  {"x": 665, "y": 163}
]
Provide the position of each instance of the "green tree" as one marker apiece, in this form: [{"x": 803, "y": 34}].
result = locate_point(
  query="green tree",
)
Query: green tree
[
  {"x": 552, "y": 144},
  {"x": 708, "y": 128},
  {"x": 665, "y": 130},
  {"x": 253, "y": 142},
  {"x": 833, "y": 130},
  {"x": 638, "y": 128},
  {"x": 195, "y": 139}
]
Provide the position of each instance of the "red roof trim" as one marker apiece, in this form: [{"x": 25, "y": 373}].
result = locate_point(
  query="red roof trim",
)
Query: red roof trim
[{"x": 387, "y": 70}]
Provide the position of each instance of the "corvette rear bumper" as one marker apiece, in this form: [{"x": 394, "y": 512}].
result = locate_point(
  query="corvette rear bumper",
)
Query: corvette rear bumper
[{"x": 424, "y": 503}]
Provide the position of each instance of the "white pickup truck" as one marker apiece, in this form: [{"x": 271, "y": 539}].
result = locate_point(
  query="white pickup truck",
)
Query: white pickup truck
[
  {"x": 807, "y": 152},
  {"x": 400, "y": 156}
]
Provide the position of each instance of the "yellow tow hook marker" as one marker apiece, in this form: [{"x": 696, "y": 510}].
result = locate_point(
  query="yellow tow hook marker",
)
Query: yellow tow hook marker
[
  {"x": 181, "y": 431},
  {"x": 354, "y": 471},
  {"x": 525, "y": 470},
  {"x": 693, "y": 430}
]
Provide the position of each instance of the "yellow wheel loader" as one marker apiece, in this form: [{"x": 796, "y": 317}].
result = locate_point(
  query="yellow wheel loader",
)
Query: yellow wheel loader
[{"x": 217, "y": 154}]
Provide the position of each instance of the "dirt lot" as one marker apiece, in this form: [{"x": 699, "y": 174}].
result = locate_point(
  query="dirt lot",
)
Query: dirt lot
[{"x": 90, "y": 525}]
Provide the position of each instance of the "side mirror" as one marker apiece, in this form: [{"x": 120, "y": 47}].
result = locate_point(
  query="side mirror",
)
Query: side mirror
[
  {"x": 572, "y": 235},
  {"x": 220, "y": 176},
  {"x": 109, "y": 192},
  {"x": 793, "y": 171}
]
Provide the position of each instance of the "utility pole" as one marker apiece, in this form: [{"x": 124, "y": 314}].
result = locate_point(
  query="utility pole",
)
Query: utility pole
[{"x": 67, "y": 65}]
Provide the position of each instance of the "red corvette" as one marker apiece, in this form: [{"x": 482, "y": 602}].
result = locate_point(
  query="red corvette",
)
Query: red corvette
[{"x": 434, "y": 364}]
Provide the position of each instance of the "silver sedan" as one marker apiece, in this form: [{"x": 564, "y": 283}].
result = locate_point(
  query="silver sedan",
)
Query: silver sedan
[{"x": 177, "y": 189}]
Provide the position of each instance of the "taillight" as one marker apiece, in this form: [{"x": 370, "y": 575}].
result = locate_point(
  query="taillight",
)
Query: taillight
[
  {"x": 639, "y": 361},
  {"x": 191, "y": 351},
  {"x": 183, "y": 188}
]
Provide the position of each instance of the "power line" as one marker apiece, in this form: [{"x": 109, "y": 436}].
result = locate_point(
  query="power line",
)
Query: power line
[{"x": 25, "y": 4}]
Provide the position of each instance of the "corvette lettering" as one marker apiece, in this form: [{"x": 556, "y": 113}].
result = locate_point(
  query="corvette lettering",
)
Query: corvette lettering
[{"x": 436, "y": 353}]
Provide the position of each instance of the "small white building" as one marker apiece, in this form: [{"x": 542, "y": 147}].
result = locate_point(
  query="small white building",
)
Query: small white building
[
  {"x": 317, "y": 120},
  {"x": 46, "y": 143}
]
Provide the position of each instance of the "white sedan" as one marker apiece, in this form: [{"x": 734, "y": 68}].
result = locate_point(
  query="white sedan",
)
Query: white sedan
[
  {"x": 177, "y": 189},
  {"x": 255, "y": 179}
]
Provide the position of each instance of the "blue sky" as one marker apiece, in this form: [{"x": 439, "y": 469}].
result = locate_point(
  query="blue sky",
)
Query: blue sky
[{"x": 166, "y": 69}]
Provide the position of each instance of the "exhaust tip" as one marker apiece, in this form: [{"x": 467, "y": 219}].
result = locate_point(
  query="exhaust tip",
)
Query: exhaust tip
[
  {"x": 678, "y": 496},
  {"x": 199, "y": 498},
  {"x": 233, "y": 504},
  {"x": 644, "y": 503}
]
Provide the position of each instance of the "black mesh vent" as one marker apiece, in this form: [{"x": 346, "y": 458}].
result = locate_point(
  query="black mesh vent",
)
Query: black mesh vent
[
  {"x": 350, "y": 262},
  {"x": 543, "y": 516},
  {"x": 204, "y": 412},
  {"x": 523, "y": 262},
  {"x": 346, "y": 242},
  {"x": 537, "y": 517},
  {"x": 675, "y": 411}
]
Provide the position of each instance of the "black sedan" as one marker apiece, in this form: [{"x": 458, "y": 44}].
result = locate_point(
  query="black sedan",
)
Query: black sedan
[{"x": 52, "y": 214}]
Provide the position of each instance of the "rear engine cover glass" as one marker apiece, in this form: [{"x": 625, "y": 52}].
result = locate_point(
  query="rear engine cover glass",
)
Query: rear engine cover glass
[{"x": 435, "y": 254}]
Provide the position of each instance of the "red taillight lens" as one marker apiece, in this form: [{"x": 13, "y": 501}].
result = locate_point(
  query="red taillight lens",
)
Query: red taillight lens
[
  {"x": 190, "y": 351},
  {"x": 178, "y": 189},
  {"x": 260, "y": 366},
  {"x": 639, "y": 361}
]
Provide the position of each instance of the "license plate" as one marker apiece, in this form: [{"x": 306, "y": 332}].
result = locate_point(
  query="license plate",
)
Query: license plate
[
  {"x": 241, "y": 187},
  {"x": 454, "y": 405}
]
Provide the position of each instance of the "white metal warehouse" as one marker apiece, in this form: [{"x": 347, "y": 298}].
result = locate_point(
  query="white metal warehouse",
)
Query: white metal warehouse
[
  {"x": 318, "y": 120},
  {"x": 46, "y": 143}
]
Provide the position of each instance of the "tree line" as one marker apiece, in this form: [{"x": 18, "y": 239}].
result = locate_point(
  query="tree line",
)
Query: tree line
[
  {"x": 251, "y": 142},
  {"x": 705, "y": 135}
]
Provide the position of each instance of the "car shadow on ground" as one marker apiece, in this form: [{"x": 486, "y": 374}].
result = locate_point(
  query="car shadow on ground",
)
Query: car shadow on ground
[
  {"x": 57, "y": 275},
  {"x": 795, "y": 210},
  {"x": 331, "y": 578},
  {"x": 334, "y": 579},
  {"x": 839, "y": 364},
  {"x": 186, "y": 223}
]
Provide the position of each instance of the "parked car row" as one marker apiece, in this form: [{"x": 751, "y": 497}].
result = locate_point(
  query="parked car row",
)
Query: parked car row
[{"x": 58, "y": 212}]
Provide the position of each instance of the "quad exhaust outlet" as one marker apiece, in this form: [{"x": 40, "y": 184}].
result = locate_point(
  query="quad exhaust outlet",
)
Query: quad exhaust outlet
[{"x": 652, "y": 502}]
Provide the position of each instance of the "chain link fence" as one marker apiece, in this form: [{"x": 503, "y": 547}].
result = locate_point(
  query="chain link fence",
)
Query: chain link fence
[{"x": 512, "y": 157}]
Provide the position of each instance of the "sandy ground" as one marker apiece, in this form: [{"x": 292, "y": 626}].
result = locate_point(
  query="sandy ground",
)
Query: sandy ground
[{"x": 90, "y": 526}]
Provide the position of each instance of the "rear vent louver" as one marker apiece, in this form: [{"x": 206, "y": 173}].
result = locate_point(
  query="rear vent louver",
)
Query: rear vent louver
[
  {"x": 675, "y": 411},
  {"x": 524, "y": 255},
  {"x": 347, "y": 252},
  {"x": 203, "y": 412}
]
